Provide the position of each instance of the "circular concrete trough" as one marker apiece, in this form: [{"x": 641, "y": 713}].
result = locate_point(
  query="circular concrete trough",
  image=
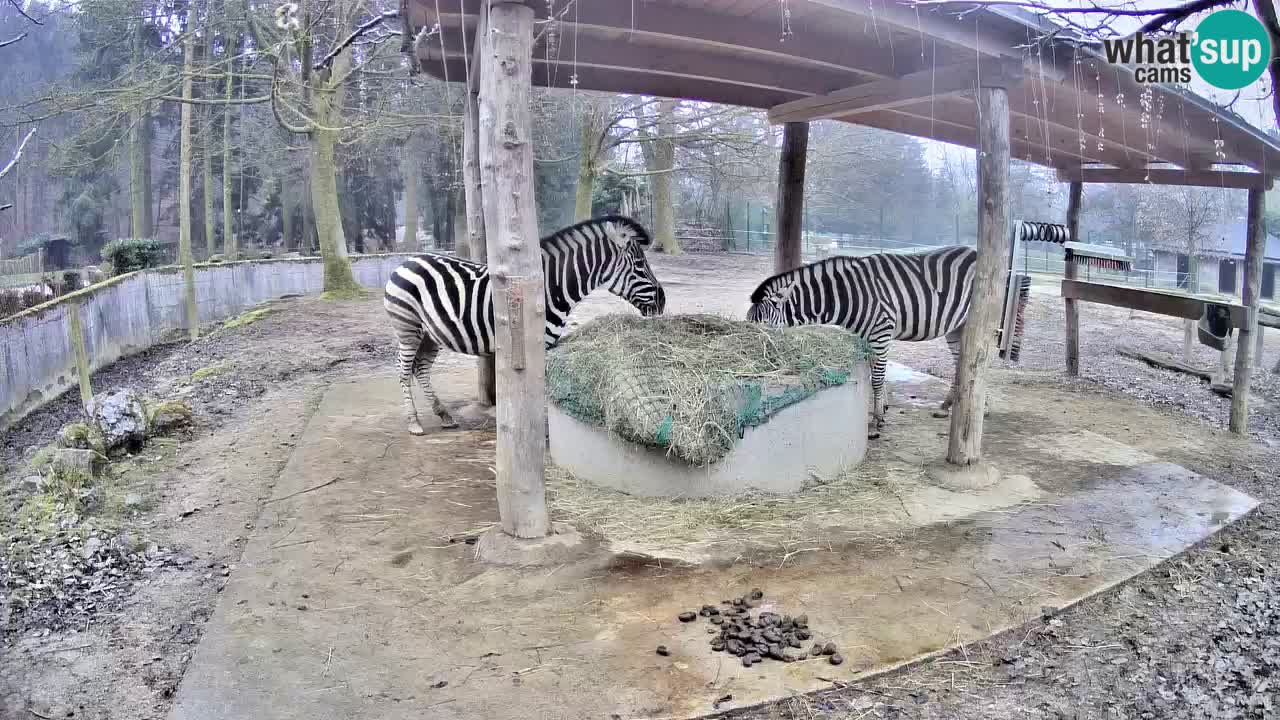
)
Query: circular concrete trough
[{"x": 820, "y": 436}]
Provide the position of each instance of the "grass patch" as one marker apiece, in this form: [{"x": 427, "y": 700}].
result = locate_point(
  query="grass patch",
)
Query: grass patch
[
  {"x": 209, "y": 371},
  {"x": 246, "y": 318},
  {"x": 351, "y": 293}
]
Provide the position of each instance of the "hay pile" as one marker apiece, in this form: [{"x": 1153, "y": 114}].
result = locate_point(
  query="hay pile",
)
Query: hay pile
[{"x": 692, "y": 384}]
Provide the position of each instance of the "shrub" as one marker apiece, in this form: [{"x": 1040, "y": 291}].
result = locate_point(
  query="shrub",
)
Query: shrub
[
  {"x": 71, "y": 281},
  {"x": 129, "y": 254}
]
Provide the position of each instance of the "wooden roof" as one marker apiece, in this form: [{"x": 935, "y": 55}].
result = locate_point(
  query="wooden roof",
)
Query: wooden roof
[{"x": 877, "y": 63}]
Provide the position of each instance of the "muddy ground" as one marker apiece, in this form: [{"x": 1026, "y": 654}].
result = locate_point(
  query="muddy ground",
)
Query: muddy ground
[{"x": 1199, "y": 637}]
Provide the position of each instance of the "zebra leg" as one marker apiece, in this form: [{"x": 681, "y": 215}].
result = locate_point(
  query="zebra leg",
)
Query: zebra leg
[
  {"x": 953, "y": 344},
  {"x": 422, "y": 362},
  {"x": 405, "y": 357},
  {"x": 878, "y": 364}
]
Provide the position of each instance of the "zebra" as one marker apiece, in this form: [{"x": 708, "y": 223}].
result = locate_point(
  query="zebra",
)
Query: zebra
[
  {"x": 440, "y": 301},
  {"x": 882, "y": 297}
]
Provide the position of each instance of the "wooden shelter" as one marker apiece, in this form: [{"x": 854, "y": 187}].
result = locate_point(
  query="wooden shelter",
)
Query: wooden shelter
[{"x": 986, "y": 79}]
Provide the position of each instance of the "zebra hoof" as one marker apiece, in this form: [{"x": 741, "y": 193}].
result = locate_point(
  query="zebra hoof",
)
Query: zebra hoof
[
  {"x": 416, "y": 429},
  {"x": 873, "y": 435},
  {"x": 941, "y": 413}
]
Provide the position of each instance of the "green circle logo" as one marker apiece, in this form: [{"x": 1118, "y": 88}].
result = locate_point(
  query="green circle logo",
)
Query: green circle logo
[{"x": 1232, "y": 49}]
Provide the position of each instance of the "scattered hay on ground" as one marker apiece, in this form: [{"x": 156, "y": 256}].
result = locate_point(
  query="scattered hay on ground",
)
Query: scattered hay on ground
[
  {"x": 693, "y": 383},
  {"x": 852, "y": 508}
]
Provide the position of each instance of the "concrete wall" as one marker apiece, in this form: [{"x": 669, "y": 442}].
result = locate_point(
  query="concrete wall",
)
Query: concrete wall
[{"x": 132, "y": 312}]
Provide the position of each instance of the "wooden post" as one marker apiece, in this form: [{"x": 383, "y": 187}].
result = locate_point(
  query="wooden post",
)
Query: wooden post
[
  {"x": 1074, "y": 200},
  {"x": 1188, "y": 339},
  {"x": 791, "y": 164},
  {"x": 1249, "y": 298},
  {"x": 473, "y": 196},
  {"x": 976, "y": 345},
  {"x": 1258, "y": 345},
  {"x": 75, "y": 328},
  {"x": 515, "y": 267}
]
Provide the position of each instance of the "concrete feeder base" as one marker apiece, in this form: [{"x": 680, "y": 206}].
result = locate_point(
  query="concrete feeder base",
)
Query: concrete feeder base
[{"x": 821, "y": 436}]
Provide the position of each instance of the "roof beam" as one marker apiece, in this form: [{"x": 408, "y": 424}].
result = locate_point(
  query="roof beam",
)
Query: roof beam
[
  {"x": 953, "y": 31},
  {"x": 1233, "y": 179},
  {"x": 956, "y": 133},
  {"x": 894, "y": 92},
  {"x": 705, "y": 30}
]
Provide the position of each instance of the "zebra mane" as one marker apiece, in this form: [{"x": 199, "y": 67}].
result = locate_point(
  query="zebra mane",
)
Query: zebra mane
[
  {"x": 758, "y": 294},
  {"x": 642, "y": 237}
]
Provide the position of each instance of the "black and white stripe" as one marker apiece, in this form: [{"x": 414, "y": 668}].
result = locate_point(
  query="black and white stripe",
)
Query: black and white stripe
[
  {"x": 442, "y": 302},
  {"x": 882, "y": 297}
]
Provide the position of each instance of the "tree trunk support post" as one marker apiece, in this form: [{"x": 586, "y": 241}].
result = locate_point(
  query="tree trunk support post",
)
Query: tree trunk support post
[
  {"x": 1074, "y": 201},
  {"x": 473, "y": 196},
  {"x": 978, "y": 340},
  {"x": 791, "y": 166},
  {"x": 515, "y": 267},
  {"x": 1249, "y": 297}
]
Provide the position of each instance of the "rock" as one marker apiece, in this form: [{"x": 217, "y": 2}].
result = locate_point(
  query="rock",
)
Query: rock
[
  {"x": 663, "y": 651},
  {"x": 190, "y": 507},
  {"x": 75, "y": 467},
  {"x": 121, "y": 418},
  {"x": 169, "y": 415},
  {"x": 91, "y": 547},
  {"x": 133, "y": 500},
  {"x": 32, "y": 484},
  {"x": 836, "y": 659},
  {"x": 688, "y": 616}
]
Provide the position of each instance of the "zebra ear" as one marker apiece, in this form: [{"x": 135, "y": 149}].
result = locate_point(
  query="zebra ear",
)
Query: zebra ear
[{"x": 617, "y": 234}]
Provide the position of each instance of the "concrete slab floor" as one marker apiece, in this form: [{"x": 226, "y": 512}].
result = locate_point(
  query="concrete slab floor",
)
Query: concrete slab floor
[{"x": 359, "y": 598}]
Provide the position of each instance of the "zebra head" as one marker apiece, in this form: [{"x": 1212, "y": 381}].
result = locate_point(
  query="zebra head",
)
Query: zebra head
[
  {"x": 770, "y": 301},
  {"x": 630, "y": 277}
]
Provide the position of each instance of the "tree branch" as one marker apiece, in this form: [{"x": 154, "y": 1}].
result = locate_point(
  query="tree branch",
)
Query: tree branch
[
  {"x": 1267, "y": 11},
  {"x": 275, "y": 107},
  {"x": 12, "y": 40},
  {"x": 22, "y": 12},
  {"x": 18, "y": 155},
  {"x": 361, "y": 30}
]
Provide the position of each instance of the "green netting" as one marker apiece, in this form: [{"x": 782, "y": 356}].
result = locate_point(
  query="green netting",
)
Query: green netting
[{"x": 692, "y": 384}]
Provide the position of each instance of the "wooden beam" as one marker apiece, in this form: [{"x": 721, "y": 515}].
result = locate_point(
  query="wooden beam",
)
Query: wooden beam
[
  {"x": 1233, "y": 179},
  {"x": 515, "y": 269},
  {"x": 977, "y": 342},
  {"x": 473, "y": 197},
  {"x": 1147, "y": 300},
  {"x": 1165, "y": 362},
  {"x": 892, "y": 92},
  {"x": 1254, "y": 249},
  {"x": 1074, "y": 201},
  {"x": 787, "y": 250},
  {"x": 958, "y": 133},
  {"x": 687, "y": 27},
  {"x": 954, "y": 29}
]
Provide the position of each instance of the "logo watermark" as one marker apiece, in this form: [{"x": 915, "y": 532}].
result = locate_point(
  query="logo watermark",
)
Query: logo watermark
[{"x": 1229, "y": 49}]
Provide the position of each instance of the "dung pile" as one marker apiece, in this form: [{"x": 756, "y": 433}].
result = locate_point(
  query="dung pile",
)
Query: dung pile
[
  {"x": 692, "y": 384},
  {"x": 766, "y": 635}
]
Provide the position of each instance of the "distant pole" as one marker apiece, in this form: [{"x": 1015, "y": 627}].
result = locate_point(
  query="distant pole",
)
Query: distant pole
[
  {"x": 787, "y": 250},
  {"x": 1074, "y": 202},
  {"x": 515, "y": 269},
  {"x": 1251, "y": 294},
  {"x": 978, "y": 340}
]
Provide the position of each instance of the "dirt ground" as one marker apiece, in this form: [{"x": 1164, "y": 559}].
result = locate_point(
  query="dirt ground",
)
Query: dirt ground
[{"x": 1199, "y": 637}]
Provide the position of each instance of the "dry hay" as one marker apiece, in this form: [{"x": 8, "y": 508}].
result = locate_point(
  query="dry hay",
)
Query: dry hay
[
  {"x": 853, "y": 508},
  {"x": 691, "y": 384}
]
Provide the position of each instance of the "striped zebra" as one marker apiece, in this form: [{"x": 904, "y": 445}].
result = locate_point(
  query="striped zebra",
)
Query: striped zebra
[
  {"x": 440, "y": 301},
  {"x": 882, "y": 297}
]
